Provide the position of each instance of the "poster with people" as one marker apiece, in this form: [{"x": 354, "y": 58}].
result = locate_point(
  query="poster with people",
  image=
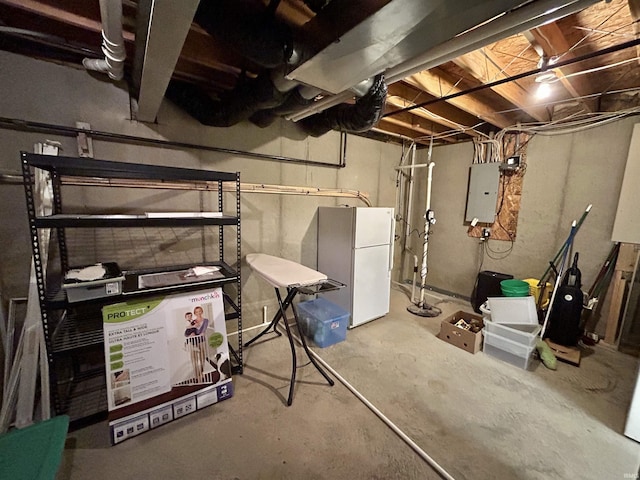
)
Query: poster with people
[{"x": 156, "y": 346}]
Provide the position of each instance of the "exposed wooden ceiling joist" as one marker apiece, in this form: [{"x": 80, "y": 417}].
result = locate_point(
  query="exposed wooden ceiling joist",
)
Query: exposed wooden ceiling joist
[
  {"x": 439, "y": 84},
  {"x": 554, "y": 44},
  {"x": 486, "y": 68},
  {"x": 68, "y": 31},
  {"x": 62, "y": 15},
  {"x": 440, "y": 109}
]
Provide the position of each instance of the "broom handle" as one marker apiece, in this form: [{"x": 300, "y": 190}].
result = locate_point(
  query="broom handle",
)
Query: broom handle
[
  {"x": 574, "y": 229},
  {"x": 565, "y": 244}
]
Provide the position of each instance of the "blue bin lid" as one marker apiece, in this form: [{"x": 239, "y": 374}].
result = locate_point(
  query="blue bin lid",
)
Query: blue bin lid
[{"x": 322, "y": 309}]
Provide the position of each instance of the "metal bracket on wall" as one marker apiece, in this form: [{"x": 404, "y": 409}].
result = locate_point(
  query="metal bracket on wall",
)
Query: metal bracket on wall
[{"x": 85, "y": 143}]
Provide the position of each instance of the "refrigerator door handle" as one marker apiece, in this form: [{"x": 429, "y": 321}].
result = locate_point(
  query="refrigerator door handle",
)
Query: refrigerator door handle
[{"x": 392, "y": 241}]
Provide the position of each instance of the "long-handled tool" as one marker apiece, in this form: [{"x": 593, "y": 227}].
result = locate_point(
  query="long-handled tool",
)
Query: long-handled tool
[
  {"x": 564, "y": 245},
  {"x": 565, "y": 253}
]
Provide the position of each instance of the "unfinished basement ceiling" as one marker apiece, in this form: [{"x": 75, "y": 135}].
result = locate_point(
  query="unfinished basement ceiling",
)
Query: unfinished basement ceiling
[{"x": 429, "y": 53}]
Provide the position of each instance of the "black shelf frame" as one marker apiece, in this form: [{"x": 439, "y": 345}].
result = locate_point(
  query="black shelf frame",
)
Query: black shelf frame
[
  {"x": 69, "y": 328},
  {"x": 123, "y": 221}
]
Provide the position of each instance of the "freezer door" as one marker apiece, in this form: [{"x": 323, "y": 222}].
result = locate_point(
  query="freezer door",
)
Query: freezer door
[
  {"x": 632, "y": 428},
  {"x": 371, "y": 283},
  {"x": 373, "y": 226}
]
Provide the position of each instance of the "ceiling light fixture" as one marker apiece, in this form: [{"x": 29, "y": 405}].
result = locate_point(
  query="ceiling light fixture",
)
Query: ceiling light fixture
[
  {"x": 543, "y": 91},
  {"x": 545, "y": 78}
]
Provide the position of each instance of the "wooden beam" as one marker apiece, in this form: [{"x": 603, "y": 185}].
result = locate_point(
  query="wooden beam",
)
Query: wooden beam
[
  {"x": 440, "y": 85},
  {"x": 485, "y": 67},
  {"x": 61, "y": 15},
  {"x": 553, "y": 43},
  {"x": 199, "y": 47},
  {"x": 615, "y": 308},
  {"x": 424, "y": 115},
  {"x": 410, "y": 118},
  {"x": 410, "y": 129},
  {"x": 634, "y": 8},
  {"x": 440, "y": 109}
]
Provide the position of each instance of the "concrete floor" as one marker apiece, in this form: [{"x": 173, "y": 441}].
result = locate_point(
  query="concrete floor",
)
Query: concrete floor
[{"x": 475, "y": 416}]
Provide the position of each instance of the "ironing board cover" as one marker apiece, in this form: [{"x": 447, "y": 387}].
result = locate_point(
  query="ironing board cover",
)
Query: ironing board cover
[{"x": 280, "y": 272}]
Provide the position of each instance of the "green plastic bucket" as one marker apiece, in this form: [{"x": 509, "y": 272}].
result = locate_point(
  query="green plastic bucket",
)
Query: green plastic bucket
[{"x": 514, "y": 288}]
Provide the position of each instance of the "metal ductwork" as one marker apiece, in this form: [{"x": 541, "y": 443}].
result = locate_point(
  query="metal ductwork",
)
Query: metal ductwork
[
  {"x": 261, "y": 38},
  {"x": 359, "y": 117}
]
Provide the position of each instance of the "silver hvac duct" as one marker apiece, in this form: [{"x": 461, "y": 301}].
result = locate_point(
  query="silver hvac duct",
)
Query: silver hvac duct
[{"x": 527, "y": 17}]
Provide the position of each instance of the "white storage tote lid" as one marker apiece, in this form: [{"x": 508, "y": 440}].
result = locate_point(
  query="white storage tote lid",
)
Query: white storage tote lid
[{"x": 513, "y": 310}]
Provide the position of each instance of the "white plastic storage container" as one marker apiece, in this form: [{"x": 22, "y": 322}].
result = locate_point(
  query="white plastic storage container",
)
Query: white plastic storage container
[
  {"x": 514, "y": 318},
  {"x": 508, "y": 351},
  {"x": 109, "y": 284},
  {"x": 523, "y": 334}
]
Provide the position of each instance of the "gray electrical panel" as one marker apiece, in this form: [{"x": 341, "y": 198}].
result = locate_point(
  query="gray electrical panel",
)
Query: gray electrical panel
[{"x": 483, "y": 192}]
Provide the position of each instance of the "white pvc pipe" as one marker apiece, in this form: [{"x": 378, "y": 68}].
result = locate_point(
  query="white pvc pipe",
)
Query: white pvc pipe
[
  {"x": 427, "y": 225},
  {"x": 414, "y": 446},
  {"x": 429, "y": 181},
  {"x": 411, "y": 182},
  {"x": 248, "y": 329},
  {"x": 413, "y": 282},
  {"x": 112, "y": 41},
  {"x": 320, "y": 106},
  {"x": 419, "y": 165}
]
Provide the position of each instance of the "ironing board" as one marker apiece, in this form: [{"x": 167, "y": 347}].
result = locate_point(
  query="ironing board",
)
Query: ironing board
[{"x": 282, "y": 273}]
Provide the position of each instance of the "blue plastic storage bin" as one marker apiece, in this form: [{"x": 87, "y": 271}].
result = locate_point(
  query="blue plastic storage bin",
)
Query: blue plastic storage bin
[{"x": 323, "y": 321}]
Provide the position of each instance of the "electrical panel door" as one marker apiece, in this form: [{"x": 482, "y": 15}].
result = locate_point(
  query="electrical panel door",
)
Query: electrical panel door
[{"x": 483, "y": 192}]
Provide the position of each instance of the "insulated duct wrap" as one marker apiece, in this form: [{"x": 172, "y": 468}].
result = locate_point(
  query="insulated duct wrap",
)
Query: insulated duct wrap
[
  {"x": 293, "y": 103},
  {"x": 356, "y": 118}
]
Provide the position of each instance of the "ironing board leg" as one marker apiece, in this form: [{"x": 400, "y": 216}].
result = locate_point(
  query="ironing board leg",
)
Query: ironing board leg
[
  {"x": 281, "y": 314},
  {"x": 273, "y": 324},
  {"x": 294, "y": 366},
  {"x": 306, "y": 349}
]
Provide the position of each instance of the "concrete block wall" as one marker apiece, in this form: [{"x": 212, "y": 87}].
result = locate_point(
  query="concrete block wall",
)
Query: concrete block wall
[
  {"x": 564, "y": 174},
  {"x": 274, "y": 224}
]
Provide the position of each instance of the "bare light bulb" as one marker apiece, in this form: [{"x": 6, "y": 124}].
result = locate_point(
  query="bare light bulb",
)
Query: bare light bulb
[{"x": 544, "y": 90}]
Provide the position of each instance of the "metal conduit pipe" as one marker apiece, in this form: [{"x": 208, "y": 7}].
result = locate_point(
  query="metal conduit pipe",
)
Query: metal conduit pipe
[
  {"x": 112, "y": 42},
  {"x": 28, "y": 126},
  {"x": 359, "y": 90},
  {"x": 378, "y": 413}
]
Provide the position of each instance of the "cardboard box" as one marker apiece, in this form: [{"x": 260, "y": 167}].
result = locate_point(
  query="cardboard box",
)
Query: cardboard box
[{"x": 464, "y": 339}]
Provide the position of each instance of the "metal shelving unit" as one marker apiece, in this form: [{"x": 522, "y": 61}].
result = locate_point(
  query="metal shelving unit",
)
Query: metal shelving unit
[{"x": 73, "y": 332}]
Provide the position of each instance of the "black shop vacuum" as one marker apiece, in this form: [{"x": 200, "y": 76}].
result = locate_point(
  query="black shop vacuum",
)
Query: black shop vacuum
[{"x": 565, "y": 320}]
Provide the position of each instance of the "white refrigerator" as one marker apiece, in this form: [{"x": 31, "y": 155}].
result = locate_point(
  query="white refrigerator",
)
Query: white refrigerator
[
  {"x": 632, "y": 427},
  {"x": 355, "y": 247}
]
